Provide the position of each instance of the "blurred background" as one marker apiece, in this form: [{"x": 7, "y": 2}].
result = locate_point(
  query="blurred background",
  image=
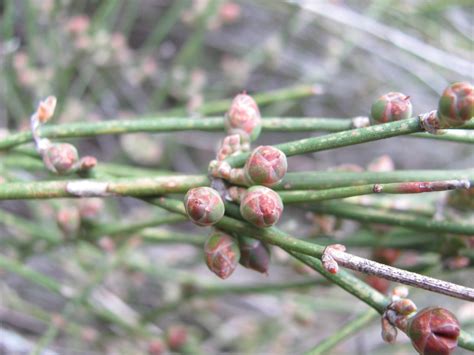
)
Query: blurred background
[{"x": 116, "y": 59}]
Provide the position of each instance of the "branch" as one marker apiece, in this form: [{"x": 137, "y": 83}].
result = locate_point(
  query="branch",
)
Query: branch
[{"x": 370, "y": 215}]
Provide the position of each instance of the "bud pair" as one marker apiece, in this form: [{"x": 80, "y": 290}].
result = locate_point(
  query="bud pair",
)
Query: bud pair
[{"x": 62, "y": 159}]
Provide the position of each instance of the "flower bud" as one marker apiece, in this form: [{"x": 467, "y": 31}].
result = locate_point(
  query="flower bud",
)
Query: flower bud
[
  {"x": 434, "y": 330},
  {"x": 61, "y": 158},
  {"x": 389, "y": 332},
  {"x": 176, "y": 337},
  {"x": 254, "y": 254},
  {"x": 222, "y": 254},
  {"x": 261, "y": 206},
  {"x": 204, "y": 206},
  {"x": 456, "y": 104},
  {"x": 387, "y": 256},
  {"x": 266, "y": 166},
  {"x": 390, "y": 107},
  {"x": 244, "y": 118}
]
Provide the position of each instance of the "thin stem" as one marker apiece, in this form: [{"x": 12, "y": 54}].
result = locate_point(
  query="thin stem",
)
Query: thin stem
[
  {"x": 369, "y": 215},
  {"x": 343, "y": 333},
  {"x": 340, "y": 139},
  {"x": 89, "y": 187},
  {"x": 153, "y": 124},
  {"x": 366, "y": 293},
  {"x": 392, "y": 188},
  {"x": 315, "y": 180},
  {"x": 277, "y": 237},
  {"x": 130, "y": 228}
]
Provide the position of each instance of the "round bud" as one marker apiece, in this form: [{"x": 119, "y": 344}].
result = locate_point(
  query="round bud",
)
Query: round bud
[
  {"x": 390, "y": 107},
  {"x": 254, "y": 254},
  {"x": 261, "y": 206},
  {"x": 222, "y": 254},
  {"x": 434, "y": 330},
  {"x": 244, "y": 117},
  {"x": 456, "y": 104},
  {"x": 61, "y": 158},
  {"x": 266, "y": 166},
  {"x": 176, "y": 337},
  {"x": 204, "y": 206}
]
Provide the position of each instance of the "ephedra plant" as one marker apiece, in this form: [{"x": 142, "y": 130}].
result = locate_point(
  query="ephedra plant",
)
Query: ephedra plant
[{"x": 249, "y": 188}]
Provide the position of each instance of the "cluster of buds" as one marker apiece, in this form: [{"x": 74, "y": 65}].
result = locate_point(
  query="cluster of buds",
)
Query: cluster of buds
[
  {"x": 254, "y": 254},
  {"x": 397, "y": 313},
  {"x": 432, "y": 330},
  {"x": 204, "y": 206},
  {"x": 222, "y": 254},
  {"x": 390, "y": 107},
  {"x": 261, "y": 206},
  {"x": 59, "y": 158}
]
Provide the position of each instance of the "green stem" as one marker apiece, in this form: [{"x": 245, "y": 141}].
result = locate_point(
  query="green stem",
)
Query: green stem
[
  {"x": 130, "y": 228},
  {"x": 300, "y": 196},
  {"x": 155, "y": 124},
  {"x": 171, "y": 237},
  {"x": 219, "y": 290},
  {"x": 368, "y": 215},
  {"x": 285, "y": 94},
  {"x": 315, "y": 180},
  {"x": 343, "y": 333},
  {"x": 89, "y": 187},
  {"x": 340, "y": 139}
]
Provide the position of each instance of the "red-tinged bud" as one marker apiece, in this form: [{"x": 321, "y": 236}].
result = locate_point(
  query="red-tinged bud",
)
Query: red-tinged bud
[
  {"x": 389, "y": 332},
  {"x": 61, "y": 158},
  {"x": 69, "y": 220},
  {"x": 403, "y": 306},
  {"x": 244, "y": 118},
  {"x": 261, "y": 206},
  {"x": 156, "y": 347},
  {"x": 386, "y": 256},
  {"x": 456, "y": 104},
  {"x": 381, "y": 285},
  {"x": 176, "y": 337},
  {"x": 390, "y": 107},
  {"x": 266, "y": 166},
  {"x": 46, "y": 109},
  {"x": 254, "y": 254},
  {"x": 204, "y": 206},
  {"x": 222, "y": 254},
  {"x": 434, "y": 330},
  {"x": 90, "y": 208}
]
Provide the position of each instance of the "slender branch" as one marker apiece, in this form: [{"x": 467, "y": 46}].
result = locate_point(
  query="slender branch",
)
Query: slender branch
[
  {"x": 172, "y": 124},
  {"x": 368, "y": 295},
  {"x": 369, "y": 215},
  {"x": 264, "y": 98},
  {"x": 340, "y": 139},
  {"x": 128, "y": 228},
  {"x": 315, "y": 180},
  {"x": 300, "y": 196},
  {"x": 99, "y": 188},
  {"x": 277, "y": 237},
  {"x": 361, "y": 321}
]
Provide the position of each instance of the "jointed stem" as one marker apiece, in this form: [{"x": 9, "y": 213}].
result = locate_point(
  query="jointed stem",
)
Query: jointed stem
[
  {"x": 355, "y": 325},
  {"x": 348, "y": 210}
]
